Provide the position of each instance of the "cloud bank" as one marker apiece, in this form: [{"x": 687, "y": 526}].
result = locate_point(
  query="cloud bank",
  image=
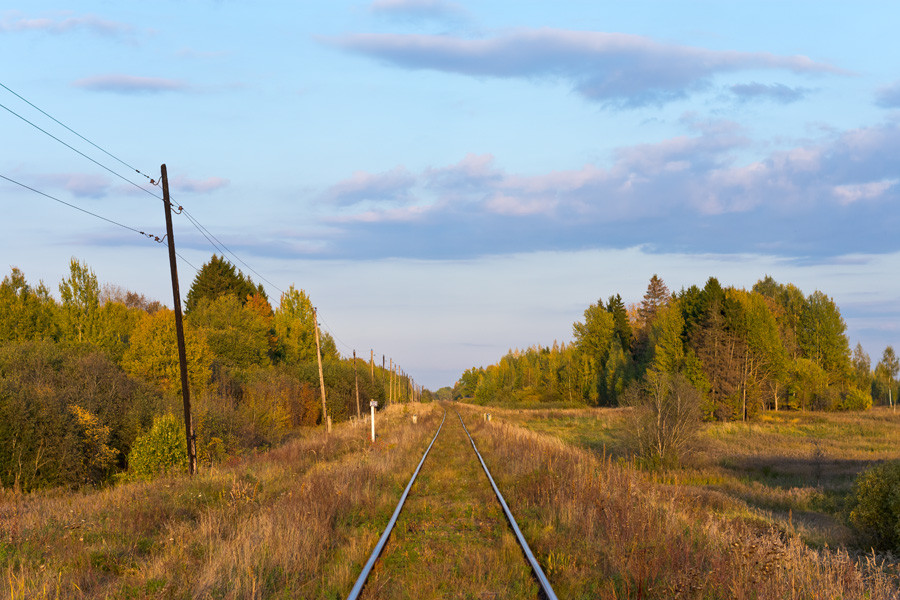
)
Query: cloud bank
[
  {"x": 615, "y": 69},
  {"x": 685, "y": 194}
]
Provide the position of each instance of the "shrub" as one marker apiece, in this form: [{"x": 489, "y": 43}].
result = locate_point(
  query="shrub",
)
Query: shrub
[
  {"x": 161, "y": 450},
  {"x": 876, "y": 505},
  {"x": 68, "y": 415},
  {"x": 665, "y": 417},
  {"x": 856, "y": 399}
]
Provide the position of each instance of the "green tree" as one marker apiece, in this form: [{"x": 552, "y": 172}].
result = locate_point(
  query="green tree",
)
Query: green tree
[
  {"x": 665, "y": 339},
  {"x": 761, "y": 356},
  {"x": 116, "y": 324},
  {"x": 656, "y": 298},
  {"x": 80, "y": 295},
  {"x": 792, "y": 304},
  {"x": 616, "y": 307},
  {"x": 886, "y": 373},
  {"x": 616, "y": 373},
  {"x": 237, "y": 335},
  {"x": 592, "y": 339},
  {"x": 822, "y": 338},
  {"x": 26, "y": 312},
  {"x": 862, "y": 368},
  {"x": 153, "y": 353},
  {"x": 294, "y": 322},
  {"x": 216, "y": 278}
]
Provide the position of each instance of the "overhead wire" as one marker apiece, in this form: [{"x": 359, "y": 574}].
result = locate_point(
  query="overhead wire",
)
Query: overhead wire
[
  {"x": 72, "y": 148},
  {"x": 156, "y": 238},
  {"x": 210, "y": 237},
  {"x": 54, "y": 119},
  {"x": 223, "y": 248}
]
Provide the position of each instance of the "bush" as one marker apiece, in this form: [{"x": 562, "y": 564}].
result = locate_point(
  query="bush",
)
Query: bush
[
  {"x": 161, "y": 450},
  {"x": 68, "y": 415},
  {"x": 856, "y": 399},
  {"x": 876, "y": 505},
  {"x": 665, "y": 417}
]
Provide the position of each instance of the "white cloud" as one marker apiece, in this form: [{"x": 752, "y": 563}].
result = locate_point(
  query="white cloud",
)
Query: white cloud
[
  {"x": 612, "y": 68},
  {"x": 848, "y": 194},
  {"x": 63, "y": 22},
  {"x": 202, "y": 186},
  {"x": 130, "y": 84}
]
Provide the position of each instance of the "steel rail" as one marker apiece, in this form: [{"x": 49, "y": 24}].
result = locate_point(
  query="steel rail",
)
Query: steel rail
[
  {"x": 542, "y": 579},
  {"x": 361, "y": 581}
]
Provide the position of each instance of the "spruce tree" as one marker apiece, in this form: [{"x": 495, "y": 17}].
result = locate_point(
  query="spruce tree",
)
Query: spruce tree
[{"x": 219, "y": 277}]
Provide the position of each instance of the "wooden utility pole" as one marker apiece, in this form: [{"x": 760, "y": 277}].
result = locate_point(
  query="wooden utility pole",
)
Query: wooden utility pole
[
  {"x": 391, "y": 384},
  {"x": 372, "y": 364},
  {"x": 356, "y": 385},
  {"x": 321, "y": 376},
  {"x": 179, "y": 329}
]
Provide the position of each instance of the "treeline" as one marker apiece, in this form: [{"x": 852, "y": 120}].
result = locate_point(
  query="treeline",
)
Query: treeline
[
  {"x": 82, "y": 378},
  {"x": 744, "y": 352}
]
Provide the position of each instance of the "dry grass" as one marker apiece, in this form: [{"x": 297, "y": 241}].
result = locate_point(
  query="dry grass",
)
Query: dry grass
[
  {"x": 794, "y": 470},
  {"x": 300, "y": 521},
  {"x": 297, "y": 522},
  {"x": 603, "y": 530}
]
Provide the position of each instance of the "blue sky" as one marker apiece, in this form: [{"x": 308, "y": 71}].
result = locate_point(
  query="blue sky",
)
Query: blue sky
[{"x": 449, "y": 180}]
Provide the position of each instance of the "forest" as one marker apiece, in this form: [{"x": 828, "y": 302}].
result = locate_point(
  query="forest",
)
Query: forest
[
  {"x": 90, "y": 384},
  {"x": 739, "y": 352}
]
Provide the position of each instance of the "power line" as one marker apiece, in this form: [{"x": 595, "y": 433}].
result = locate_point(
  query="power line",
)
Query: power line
[
  {"x": 220, "y": 246},
  {"x": 203, "y": 230},
  {"x": 187, "y": 262},
  {"x": 27, "y": 187},
  {"x": 156, "y": 238},
  {"x": 70, "y": 147},
  {"x": 48, "y": 115},
  {"x": 210, "y": 237}
]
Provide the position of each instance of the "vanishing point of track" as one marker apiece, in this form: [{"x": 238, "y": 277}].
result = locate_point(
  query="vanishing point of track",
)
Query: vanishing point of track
[{"x": 535, "y": 566}]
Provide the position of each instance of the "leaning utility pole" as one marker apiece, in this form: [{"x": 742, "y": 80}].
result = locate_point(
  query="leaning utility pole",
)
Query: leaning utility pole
[
  {"x": 356, "y": 385},
  {"x": 321, "y": 376},
  {"x": 179, "y": 329}
]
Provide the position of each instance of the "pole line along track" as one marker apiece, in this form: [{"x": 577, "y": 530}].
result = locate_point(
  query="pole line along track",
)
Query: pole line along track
[
  {"x": 535, "y": 566},
  {"x": 361, "y": 581}
]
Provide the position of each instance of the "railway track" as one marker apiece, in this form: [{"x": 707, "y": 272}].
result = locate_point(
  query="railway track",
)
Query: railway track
[{"x": 540, "y": 578}]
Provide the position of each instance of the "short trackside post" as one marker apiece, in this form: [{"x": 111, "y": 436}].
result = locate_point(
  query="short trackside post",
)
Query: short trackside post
[{"x": 373, "y": 404}]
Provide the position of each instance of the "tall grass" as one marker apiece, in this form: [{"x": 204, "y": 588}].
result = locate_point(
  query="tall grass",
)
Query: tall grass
[
  {"x": 295, "y": 522},
  {"x": 602, "y": 530}
]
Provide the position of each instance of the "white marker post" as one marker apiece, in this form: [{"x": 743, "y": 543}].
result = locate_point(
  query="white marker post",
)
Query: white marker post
[{"x": 373, "y": 404}]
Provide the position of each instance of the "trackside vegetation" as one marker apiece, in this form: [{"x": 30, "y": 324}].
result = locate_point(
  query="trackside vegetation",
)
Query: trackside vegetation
[{"x": 90, "y": 384}]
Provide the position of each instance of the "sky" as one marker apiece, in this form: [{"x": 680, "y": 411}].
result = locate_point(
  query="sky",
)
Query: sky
[{"x": 449, "y": 180}]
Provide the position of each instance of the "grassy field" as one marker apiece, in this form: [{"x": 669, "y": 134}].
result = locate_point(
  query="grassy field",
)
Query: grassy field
[
  {"x": 297, "y": 522},
  {"x": 749, "y": 517},
  {"x": 793, "y": 469},
  {"x": 605, "y": 529}
]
